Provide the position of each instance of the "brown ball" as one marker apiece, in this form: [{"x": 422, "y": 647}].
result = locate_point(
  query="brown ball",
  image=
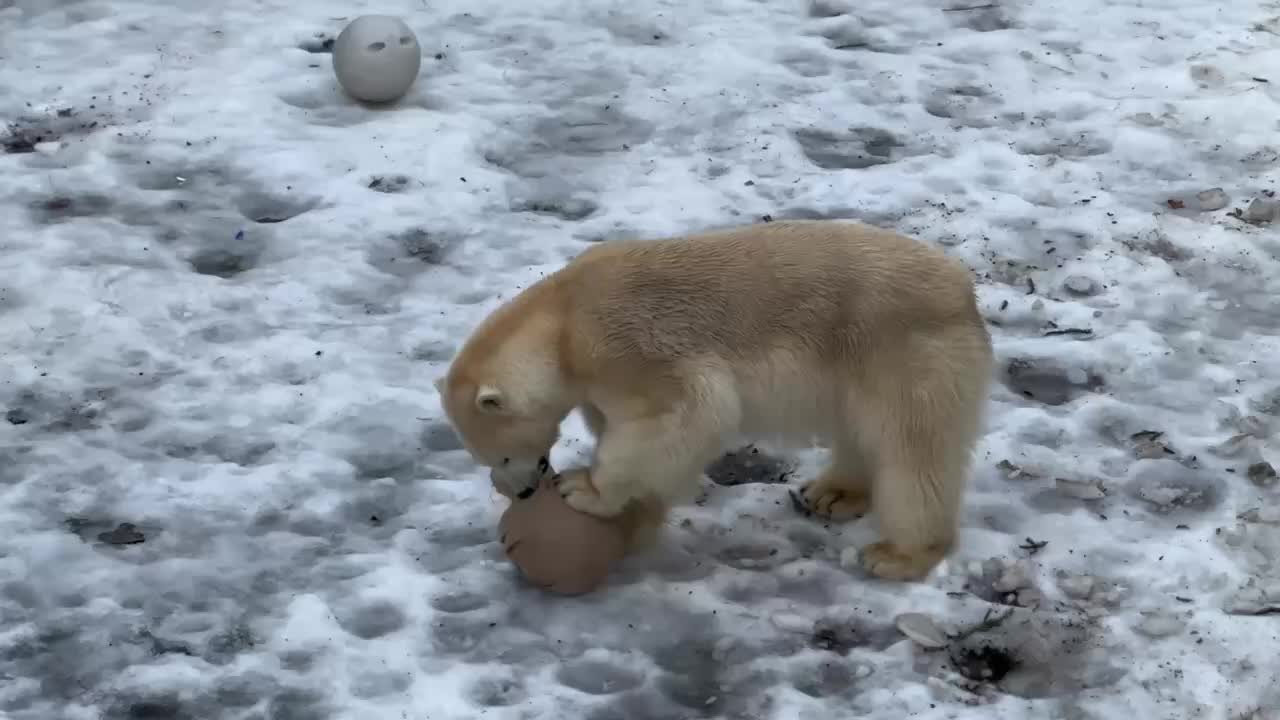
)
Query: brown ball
[{"x": 557, "y": 548}]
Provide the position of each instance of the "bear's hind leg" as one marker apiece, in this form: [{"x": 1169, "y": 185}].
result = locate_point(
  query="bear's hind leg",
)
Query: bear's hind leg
[
  {"x": 916, "y": 505},
  {"x": 925, "y": 416}
]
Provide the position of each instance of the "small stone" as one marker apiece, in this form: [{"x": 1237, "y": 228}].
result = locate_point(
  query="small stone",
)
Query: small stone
[
  {"x": 1080, "y": 285},
  {"x": 1261, "y": 211},
  {"x": 1262, "y": 474},
  {"x": 1081, "y": 489},
  {"x": 921, "y": 629},
  {"x": 1160, "y": 624},
  {"x": 124, "y": 534},
  {"x": 1212, "y": 199},
  {"x": 17, "y": 416}
]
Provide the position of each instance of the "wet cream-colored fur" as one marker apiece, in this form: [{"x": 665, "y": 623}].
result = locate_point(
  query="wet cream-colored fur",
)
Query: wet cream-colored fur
[{"x": 869, "y": 342}]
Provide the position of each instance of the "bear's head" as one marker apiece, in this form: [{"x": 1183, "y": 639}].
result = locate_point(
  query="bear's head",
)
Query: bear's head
[{"x": 509, "y": 432}]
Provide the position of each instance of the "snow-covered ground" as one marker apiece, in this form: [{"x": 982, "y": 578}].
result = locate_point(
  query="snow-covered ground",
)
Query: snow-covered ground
[{"x": 226, "y": 488}]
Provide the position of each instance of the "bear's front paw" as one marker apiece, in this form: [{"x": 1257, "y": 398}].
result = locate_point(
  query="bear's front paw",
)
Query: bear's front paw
[
  {"x": 582, "y": 495},
  {"x": 835, "y": 499}
]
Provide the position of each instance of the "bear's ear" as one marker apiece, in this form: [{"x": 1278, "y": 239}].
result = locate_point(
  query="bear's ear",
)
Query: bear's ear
[{"x": 489, "y": 399}]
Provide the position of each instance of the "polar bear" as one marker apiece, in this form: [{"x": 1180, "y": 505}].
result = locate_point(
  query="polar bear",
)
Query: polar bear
[{"x": 673, "y": 348}]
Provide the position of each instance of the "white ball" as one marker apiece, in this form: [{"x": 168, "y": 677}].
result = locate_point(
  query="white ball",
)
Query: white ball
[{"x": 376, "y": 58}]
